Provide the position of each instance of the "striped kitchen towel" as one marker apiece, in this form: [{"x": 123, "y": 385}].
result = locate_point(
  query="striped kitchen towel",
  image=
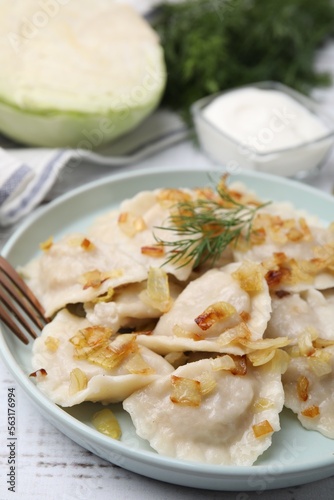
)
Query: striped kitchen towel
[{"x": 23, "y": 186}]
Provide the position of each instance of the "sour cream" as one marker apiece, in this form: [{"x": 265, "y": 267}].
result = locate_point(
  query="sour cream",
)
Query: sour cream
[
  {"x": 264, "y": 120},
  {"x": 268, "y": 127}
]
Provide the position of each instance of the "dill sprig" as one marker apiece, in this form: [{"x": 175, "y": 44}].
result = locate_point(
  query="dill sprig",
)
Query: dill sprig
[{"x": 207, "y": 227}]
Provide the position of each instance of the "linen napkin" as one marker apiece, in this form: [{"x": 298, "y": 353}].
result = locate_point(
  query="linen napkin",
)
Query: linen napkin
[{"x": 27, "y": 174}]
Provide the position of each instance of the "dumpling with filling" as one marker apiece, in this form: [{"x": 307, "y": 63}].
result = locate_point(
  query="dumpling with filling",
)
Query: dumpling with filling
[
  {"x": 133, "y": 306},
  {"x": 136, "y": 227},
  {"x": 221, "y": 311},
  {"x": 77, "y": 269},
  {"x": 294, "y": 313},
  {"x": 76, "y": 361},
  {"x": 288, "y": 274},
  {"x": 203, "y": 412},
  {"x": 296, "y": 251},
  {"x": 280, "y": 227},
  {"x": 309, "y": 389}
]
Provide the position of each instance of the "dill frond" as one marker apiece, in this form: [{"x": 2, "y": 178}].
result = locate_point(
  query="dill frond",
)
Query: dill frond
[{"x": 206, "y": 227}]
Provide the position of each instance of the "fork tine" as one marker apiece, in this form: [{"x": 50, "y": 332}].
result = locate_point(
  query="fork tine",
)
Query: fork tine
[
  {"x": 25, "y": 303},
  {"x": 13, "y": 275},
  {"x": 19, "y": 300},
  {"x": 18, "y": 315},
  {"x": 12, "y": 325}
]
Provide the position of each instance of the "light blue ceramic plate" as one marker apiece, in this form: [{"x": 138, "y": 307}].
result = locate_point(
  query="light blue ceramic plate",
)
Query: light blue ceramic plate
[{"x": 296, "y": 456}]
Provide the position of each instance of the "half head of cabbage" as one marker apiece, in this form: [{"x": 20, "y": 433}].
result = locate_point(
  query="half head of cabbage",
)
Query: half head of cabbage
[{"x": 76, "y": 73}]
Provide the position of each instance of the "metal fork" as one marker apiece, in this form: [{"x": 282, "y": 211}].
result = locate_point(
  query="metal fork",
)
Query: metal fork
[{"x": 18, "y": 304}]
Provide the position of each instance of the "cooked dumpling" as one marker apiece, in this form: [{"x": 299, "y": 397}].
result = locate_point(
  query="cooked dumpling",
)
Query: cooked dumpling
[
  {"x": 297, "y": 275},
  {"x": 204, "y": 414},
  {"x": 136, "y": 227},
  {"x": 127, "y": 307},
  {"x": 296, "y": 251},
  {"x": 279, "y": 227},
  {"x": 294, "y": 313},
  {"x": 287, "y": 211},
  {"x": 215, "y": 310},
  {"x": 87, "y": 363},
  {"x": 76, "y": 269},
  {"x": 309, "y": 388}
]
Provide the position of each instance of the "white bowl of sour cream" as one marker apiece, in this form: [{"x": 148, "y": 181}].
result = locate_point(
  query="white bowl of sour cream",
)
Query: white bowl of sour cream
[{"x": 266, "y": 127}]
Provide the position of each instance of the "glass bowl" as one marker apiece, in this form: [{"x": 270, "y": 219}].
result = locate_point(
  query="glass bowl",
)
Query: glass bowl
[{"x": 294, "y": 161}]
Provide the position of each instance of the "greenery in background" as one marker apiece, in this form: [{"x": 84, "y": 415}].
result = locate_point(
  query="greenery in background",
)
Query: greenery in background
[{"x": 212, "y": 45}]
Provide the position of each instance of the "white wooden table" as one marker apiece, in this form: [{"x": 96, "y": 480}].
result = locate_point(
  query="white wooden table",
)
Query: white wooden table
[{"x": 49, "y": 465}]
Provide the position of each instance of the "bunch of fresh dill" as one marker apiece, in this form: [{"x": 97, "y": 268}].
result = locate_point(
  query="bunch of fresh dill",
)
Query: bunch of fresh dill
[{"x": 212, "y": 45}]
